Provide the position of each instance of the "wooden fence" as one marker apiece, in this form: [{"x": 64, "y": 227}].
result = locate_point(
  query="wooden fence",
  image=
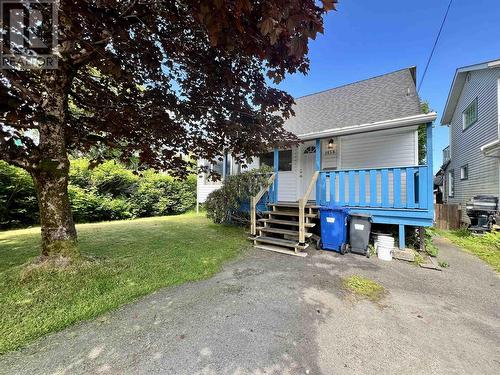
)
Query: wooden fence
[{"x": 447, "y": 216}]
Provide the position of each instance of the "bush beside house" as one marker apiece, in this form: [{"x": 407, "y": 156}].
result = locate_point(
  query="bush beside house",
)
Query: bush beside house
[
  {"x": 231, "y": 202},
  {"x": 107, "y": 192}
]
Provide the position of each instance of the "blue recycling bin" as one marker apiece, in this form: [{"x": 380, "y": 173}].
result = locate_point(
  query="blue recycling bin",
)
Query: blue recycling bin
[{"x": 334, "y": 228}]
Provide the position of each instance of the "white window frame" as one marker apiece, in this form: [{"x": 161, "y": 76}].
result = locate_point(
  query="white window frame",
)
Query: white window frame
[
  {"x": 451, "y": 183},
  {"x": 464, "y": 172},
  {"x": 473, "y": 104}
]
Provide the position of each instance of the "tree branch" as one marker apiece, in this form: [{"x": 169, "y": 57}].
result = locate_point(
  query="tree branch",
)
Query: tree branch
[{"x": 17, "y": 155}]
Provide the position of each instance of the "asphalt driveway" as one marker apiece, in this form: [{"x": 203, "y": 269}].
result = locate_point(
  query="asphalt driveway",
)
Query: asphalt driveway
[{"x": 268, "y": 313}]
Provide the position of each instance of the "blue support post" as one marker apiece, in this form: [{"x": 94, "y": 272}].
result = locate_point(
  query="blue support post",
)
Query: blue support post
[
  {"x": 430, "y": 172},
  {"x": 402, "y": 244},
  {"x": 276, "y": 170},
  {"x": 318, "y": 168}
]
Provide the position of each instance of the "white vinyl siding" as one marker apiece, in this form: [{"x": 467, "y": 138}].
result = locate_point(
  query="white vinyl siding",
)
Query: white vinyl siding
[
  {"x": 465, "y": 145},
  {"x": 387, "y": 148},
  {"x": 205, "y": 189}
]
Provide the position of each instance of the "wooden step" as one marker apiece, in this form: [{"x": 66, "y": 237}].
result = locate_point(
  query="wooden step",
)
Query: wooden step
[
  {"x": 287, "y": 232},
  {"x": 277, "y": 241},
  {"x": 285, "y": 222},
  {"x": 280, "y": 250},
  {"x": 288, "y": 213}
]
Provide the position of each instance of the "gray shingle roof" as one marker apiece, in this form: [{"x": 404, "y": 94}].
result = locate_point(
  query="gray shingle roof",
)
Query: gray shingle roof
[{"x": 387, "y": 97}]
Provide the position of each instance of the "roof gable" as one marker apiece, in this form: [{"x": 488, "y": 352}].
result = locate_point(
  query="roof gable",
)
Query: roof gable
[
  {"x": 458, "y": 85},
  {"x": 387, "y": 97}
]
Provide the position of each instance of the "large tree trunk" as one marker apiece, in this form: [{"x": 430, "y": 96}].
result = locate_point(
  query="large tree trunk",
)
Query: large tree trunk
[
  {"x": 56, "y": 219},
  {"x": 51, "y": 174}
]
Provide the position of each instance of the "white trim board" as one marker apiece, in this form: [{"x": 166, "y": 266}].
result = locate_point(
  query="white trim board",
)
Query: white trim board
[{"x": 374, "y": 126}]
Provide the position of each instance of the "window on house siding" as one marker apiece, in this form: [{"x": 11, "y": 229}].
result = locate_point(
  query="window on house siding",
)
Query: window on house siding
[
  {"x": 470, "y": 114},
  {"x": 216, "y": 168},
  {"x": 267, "y": 159},
  {"x": 464, "y": 172},
  {"x": 451, "y": 183},
  {"x": 285, "y": 162}
]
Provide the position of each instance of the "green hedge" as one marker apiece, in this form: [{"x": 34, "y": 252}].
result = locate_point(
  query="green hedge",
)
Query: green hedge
[
  {"x": 107, "y": 192},
  {"x": 18, "y": 203}
]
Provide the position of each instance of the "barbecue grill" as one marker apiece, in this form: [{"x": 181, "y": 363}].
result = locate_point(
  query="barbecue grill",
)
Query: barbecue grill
[{"x": 482, "y": 211}]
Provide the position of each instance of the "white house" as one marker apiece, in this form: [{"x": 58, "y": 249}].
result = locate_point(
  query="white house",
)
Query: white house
[{"x": 359, "y": 150}]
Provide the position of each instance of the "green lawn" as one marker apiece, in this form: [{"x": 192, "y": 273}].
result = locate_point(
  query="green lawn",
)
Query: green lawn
[
  {"x": 486, "y": 247},
  {"x": 132, "y": 258}
]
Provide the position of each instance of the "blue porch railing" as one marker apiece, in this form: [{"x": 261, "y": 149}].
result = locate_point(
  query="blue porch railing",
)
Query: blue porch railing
[{"x": 387, "y": 188}]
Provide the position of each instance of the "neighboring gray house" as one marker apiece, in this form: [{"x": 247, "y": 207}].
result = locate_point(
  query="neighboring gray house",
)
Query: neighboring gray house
[{"x": 471, "y": 162}]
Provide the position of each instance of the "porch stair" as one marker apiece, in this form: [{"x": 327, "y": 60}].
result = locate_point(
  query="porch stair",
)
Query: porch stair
[{"x": 279, "y": 230}]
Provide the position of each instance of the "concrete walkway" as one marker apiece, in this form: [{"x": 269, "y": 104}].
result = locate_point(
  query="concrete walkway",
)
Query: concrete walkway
[{"x": 273, "y": 314}]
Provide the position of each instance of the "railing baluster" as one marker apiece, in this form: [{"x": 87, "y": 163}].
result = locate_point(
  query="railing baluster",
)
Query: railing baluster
[
  {"x": 422, "y": 191},
  {"x": 410, "y": 188},
  {"x": 362, "y": 188},
  {"x": 414, "y": 195},
  {"x": 352, "y": 189},
  {"x": 332, "y": 187},
  {"x": 397, "y": 188},
  {"x": 373, "y": 188},
  {"x": 322, "y": 185},
  {"x": 385, "y": 188},
  {"x": 341, "y": 188}
]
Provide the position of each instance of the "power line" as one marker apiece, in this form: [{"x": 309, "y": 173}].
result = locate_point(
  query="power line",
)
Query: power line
[{"x": 435, "y": 44}]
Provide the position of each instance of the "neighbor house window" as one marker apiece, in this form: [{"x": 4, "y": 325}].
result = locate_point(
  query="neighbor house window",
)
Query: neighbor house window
[
  {"x": 285, "y": 162},
  {"x": 464, "y": 172},
  {"x": 451, "y": 183},
  {"x": 470, "y": 114}
]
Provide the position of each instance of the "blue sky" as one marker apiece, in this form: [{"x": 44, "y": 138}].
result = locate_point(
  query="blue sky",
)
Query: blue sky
[{"x": 368, "y": 38}]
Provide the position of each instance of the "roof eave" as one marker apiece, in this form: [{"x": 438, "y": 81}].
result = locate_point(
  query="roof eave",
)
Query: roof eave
[
  {"x": 374, "y": 126},
  {"x": 457, "y": 86}
]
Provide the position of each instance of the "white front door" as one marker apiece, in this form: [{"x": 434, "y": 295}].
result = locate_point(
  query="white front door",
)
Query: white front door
[{"x": 307, "y": 160}]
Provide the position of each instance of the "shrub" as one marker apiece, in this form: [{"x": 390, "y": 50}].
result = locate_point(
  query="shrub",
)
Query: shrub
[
  {"x": 108, "y": 192},
  {"x": 232, "y": 200},
  {"x": 111, "y": 178},
  {"x": 88, "y": 206},
  {"x": 80, "y": 174},
  {"x": 18, "y": 203},
  {"x": 159, "y": 194}
]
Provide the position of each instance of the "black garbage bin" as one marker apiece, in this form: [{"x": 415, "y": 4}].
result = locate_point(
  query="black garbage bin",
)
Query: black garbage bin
[{"x": 359, "y": 233}]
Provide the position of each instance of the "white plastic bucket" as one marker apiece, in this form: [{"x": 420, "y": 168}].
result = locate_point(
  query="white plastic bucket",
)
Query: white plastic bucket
[{"x": 384, "y": 246}]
